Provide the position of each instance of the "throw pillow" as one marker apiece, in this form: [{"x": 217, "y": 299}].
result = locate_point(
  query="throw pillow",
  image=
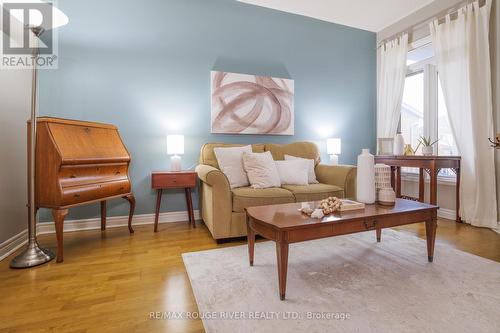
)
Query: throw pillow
[
  {"x": 230, "y": 161},
  {"x": 261, "y": 170},
  {"x": 293, "y": 172},
  {"x": 311, "y": 175}
]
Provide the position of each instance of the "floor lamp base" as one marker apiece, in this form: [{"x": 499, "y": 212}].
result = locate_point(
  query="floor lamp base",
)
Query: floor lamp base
[{"x": 34, "y": 255}]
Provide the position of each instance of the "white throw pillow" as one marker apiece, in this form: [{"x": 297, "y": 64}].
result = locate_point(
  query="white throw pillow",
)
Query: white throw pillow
[
  {"x": 311, "y": 175},
  {"x": 230, "y": 161},
  {"x": 293, "y": 172},
  {"x": 261, "y": 170}
]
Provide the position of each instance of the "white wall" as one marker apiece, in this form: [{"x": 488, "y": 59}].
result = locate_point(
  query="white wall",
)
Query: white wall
[
  {"x": 15, "y": 90},
  {"x": 446, "y": 193},
  {"x": 436, "y": 8}
]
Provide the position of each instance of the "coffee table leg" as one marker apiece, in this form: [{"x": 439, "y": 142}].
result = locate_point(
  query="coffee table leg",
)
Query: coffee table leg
[
  {"x": 251, "y": 243},
  {"x": 430, "y": 231},
  {"x": 282, "y": 256},
  {"x": 379, "y": 234}
]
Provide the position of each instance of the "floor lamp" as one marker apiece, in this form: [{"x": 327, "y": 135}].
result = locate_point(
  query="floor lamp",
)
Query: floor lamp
[{"x": 34, "y": 255}]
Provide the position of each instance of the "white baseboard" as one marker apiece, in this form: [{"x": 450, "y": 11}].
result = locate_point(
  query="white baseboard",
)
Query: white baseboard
[
  {"x": 15, "y": 242},
  {"x": 448, "y": 214},
  {"x": 115, "y": 221}
]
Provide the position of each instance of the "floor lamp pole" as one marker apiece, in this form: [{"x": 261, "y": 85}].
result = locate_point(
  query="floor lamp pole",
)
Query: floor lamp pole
[{"x": 33, "y": 255}]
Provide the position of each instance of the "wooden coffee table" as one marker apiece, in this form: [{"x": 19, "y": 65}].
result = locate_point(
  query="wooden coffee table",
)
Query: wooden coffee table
[{"x": 285, "y": 224}]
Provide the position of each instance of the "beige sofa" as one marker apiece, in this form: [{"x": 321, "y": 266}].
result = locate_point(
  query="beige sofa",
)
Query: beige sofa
[{"x": 223, "y": 208}]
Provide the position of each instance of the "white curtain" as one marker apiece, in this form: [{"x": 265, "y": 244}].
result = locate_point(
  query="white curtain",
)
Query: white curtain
[
  {"x": 391, "y": 85},
  {"x": 463, "y": 59}
]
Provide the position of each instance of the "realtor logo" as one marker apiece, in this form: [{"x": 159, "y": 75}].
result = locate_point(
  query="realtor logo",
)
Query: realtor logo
[
  {"x": 16, "y": 18},
  {"x": 27, "y": 37}
]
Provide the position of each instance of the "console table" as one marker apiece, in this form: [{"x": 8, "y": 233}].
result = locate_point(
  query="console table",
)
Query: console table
[
  {"x": 429, "y": 164},
  {"x": 174, "y": 179}
]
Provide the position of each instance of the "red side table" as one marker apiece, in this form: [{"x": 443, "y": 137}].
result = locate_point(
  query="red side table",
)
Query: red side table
[{"x": 162, "y": 180}]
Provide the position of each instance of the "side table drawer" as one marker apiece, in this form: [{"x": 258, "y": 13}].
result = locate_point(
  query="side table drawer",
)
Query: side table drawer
[{"x": 173, "y": 180}]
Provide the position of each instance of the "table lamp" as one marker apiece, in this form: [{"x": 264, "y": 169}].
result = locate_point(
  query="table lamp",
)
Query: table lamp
[
  {"x": 34, "y": 255},
  {"x": 333, "y": 149},
  {"x": 175, "y": 147}
]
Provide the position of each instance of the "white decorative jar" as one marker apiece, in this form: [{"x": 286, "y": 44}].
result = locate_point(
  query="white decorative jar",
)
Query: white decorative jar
[
  {"x": 427, "y": 150},
  {"x": 399, "y": 144},
  {"x": 386, "y": 196},
  {"x": 365, "y": 182},
  {"x": 382, "y": 178}
]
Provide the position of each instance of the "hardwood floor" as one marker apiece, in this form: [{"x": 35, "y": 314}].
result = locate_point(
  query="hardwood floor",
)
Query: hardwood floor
[{"x": 111, "y": 281}]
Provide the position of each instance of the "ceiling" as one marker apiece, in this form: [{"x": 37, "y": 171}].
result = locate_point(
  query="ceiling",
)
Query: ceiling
[{"x": 371, "y": 15}]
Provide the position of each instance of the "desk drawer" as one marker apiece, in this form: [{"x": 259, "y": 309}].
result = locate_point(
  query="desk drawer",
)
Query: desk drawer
[
  {"x": 173, "y": 180},
  {"x": 83, "y": 193},
  {"x": 92, "y": 174}
]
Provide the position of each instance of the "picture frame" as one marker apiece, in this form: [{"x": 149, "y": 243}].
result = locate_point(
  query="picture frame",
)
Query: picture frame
[
  {"x": 251, "y": 104},
  {"x": 385, "y": 146}
]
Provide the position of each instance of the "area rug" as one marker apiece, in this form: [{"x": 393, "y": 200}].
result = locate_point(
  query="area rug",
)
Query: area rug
[{"x": 347, "y": 284}]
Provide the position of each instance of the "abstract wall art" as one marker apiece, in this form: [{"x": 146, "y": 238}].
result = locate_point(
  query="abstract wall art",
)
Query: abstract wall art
[{"x": 251, "y": 104}]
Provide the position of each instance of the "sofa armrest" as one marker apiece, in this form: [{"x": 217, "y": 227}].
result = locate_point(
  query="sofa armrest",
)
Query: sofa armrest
[
  {"x": 340, "y": 175},
  {"x": 216, "y": 202},
  {"x": 212, "y": 176}
]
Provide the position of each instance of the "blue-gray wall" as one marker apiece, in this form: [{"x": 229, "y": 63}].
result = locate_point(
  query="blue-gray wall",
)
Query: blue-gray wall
[{"x": 145, "y": 67}]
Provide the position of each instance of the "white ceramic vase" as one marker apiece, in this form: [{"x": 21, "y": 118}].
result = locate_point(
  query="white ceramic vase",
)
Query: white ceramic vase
[
  {"x": 365, "y": 182},
  {"x": 399, "y": 144}
]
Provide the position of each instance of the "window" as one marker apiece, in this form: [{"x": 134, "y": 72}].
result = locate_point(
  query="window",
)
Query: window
[
  {"x": 420, "y": 53},
  {"x": 412, "y": 109},
  {"x": 446, "y": 143},
  {"x": 423, "y": 109}
]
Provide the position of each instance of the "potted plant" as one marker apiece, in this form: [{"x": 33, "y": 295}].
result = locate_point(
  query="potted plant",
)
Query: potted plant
[{"x": 427, "y": 144}]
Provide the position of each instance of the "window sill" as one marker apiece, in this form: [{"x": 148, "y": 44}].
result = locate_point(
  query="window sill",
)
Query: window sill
[{"x": 442, "y": 180}]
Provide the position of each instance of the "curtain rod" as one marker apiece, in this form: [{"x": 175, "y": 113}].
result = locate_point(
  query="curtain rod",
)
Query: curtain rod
[{"x": 439, "y": 16}]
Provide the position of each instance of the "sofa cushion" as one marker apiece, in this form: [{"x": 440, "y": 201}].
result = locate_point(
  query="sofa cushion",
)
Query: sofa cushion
[
  {"x": 311, "y": 175},
  {"x": 313, "y": 192},
  {"x": 244, "y": 197},
  {"x": 207, "y": 154},
  {"x": 230, "y": 160},
  {"x": 261, "y": 170},
  {"x": 293, "y": 172},
  {"x": 299, "y": 149}
]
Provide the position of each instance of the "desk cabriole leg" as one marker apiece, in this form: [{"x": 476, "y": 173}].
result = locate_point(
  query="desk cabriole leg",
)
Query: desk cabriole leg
[
  {"x": 59, "y": 215},
  {"x": 130, "y": 198}
]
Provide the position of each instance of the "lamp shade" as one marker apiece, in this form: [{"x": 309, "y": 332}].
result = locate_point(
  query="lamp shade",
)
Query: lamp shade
[
  {"x": 175, "y": 144},
  {"x": 333, "y": 146}
]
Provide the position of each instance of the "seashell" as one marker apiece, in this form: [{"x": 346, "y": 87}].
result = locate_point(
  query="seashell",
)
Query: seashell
[
  {"x": 307, "y": 210},
  {"x": 317, "y": 214}
]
